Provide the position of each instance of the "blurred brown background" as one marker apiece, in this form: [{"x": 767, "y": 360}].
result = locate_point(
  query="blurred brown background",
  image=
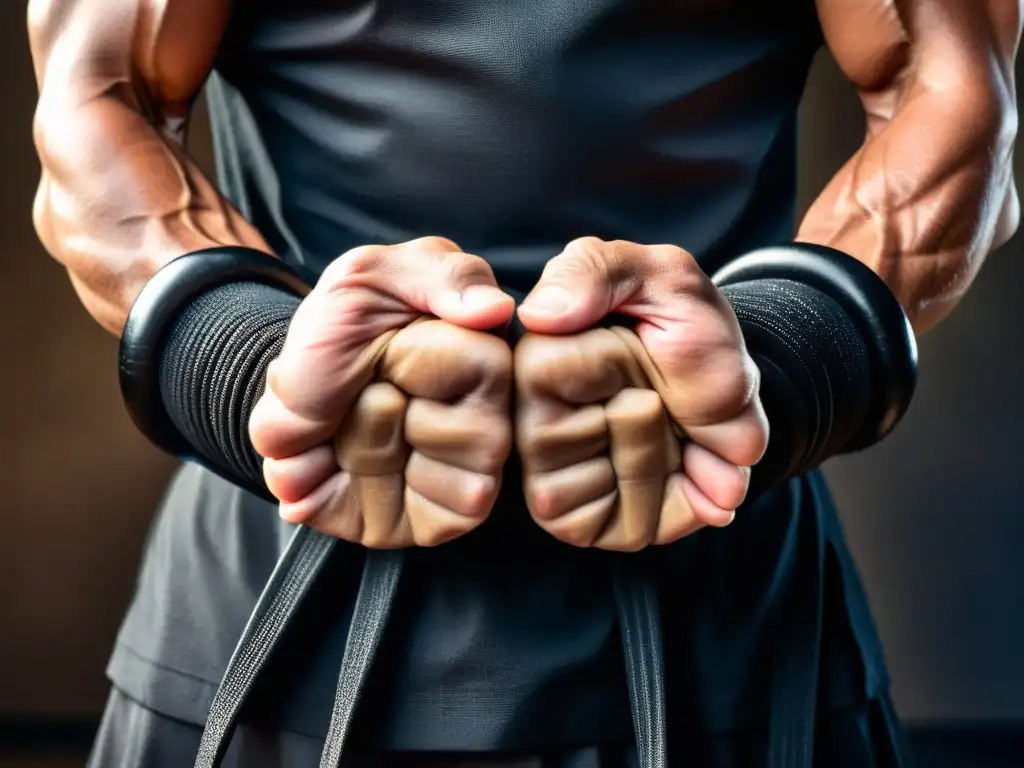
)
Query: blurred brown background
[{"x": 933, "y": 514}]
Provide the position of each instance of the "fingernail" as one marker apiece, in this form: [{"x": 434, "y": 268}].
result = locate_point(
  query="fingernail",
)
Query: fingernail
[
  {"x": 551, "y": 300},
  {"x": 480, "y": 296}
]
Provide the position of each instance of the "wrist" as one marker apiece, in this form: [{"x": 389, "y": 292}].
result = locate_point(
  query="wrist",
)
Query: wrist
[
  {"x": 194, "y": 353},
  {"x": 837, "y": 354}
]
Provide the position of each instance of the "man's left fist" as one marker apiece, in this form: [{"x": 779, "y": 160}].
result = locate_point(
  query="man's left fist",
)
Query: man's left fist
[{"x": 633, "y": 437}]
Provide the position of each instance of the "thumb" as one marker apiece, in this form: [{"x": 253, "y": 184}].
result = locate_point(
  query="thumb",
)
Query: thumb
[
  {"x": 578, "y": 288},
  {"x": 461, "y": 290},
  {"x": 430, "y": 275},
  {"x": 435, "y": 276}
]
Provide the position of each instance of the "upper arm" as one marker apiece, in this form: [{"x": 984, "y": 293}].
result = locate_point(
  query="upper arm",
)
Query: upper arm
[
  {"x": 930, "y": 192},
  {"x": 152, "y": 55},
  {"x": 118, "y": 195},
  {"x": 895, "y": 50}
]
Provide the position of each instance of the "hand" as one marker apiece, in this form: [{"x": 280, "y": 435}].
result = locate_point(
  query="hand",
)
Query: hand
[
  {"x": 633, "y": 438},
  {"x": 380, "y": 424}
]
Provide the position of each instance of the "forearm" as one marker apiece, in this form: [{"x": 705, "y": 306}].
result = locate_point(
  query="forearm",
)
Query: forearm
[
  {"x": 923, "y": 203},
  {"x": 119, "y": 196},
  {"x": 118, "y": 200},
  {"x": 930, "y": 193}
]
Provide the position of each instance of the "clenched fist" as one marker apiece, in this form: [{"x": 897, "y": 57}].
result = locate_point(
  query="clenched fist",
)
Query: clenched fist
[
  {"x": 385, "y": 420},
  {"x": 633, "y": 437}
]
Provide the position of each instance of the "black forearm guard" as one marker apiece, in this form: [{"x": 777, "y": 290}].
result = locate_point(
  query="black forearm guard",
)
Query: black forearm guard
[
  {"x": 195, "y": 351},
  {"x": 837, "y": 355}
]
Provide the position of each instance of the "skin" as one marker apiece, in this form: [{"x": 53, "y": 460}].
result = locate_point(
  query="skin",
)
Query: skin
[{"x": 925, "y": 199}]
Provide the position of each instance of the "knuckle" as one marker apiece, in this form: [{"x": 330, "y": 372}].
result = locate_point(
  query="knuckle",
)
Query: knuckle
[
  {"x": 496, "y": 447},
  {"x": 588, "y": 256},
  {"x": 464, "y": 267},
  {"x": 752, "y": 443},
  {"x": 433, "y": 244},
  {"x": 574, "y": 535},
  {"x": 679, "y": 270},
  {"x": 673, "y": 257},
  {"x": 587, "y": 247},
  {"x": 363, "y": 260},
  {"x": 431, "y": 538},
  {"x": 538, "y": 360},
  {"x": 727, "y": 489},
  {"x": 374, "y": 539},
  {"x": 493, "y": 355},
  {"x": 541, "y": 500},
  {"x": 727, "y": 390},
  {"x": 480, "y": 493},
  {"x": 435, "y": 537}
]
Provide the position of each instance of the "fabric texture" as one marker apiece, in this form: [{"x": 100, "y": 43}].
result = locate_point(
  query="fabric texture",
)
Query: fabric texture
[
  {"x": 797, "y": 332},
  {"x": 214, "y": 369},
  {"x": 132, "y": 736}
]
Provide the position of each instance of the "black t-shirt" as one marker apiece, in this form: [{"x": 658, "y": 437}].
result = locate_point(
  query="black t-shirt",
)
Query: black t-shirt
[{"x": 511, "y": 128}]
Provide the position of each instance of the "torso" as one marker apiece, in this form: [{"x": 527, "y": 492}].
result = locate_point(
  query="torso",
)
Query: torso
[{"x": 512, "y": 128}]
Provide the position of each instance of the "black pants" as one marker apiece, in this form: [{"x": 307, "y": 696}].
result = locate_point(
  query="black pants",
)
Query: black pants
[{"x": 132, "y": 736}]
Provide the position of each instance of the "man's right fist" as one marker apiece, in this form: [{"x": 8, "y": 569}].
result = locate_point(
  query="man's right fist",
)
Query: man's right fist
[{"x": 386, "y": 418}]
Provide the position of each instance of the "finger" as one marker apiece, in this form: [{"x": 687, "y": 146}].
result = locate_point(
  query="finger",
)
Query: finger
[
  {"x": 432, "y": 275},
  {"x": 709, "y": 386},
  {"x": 584, "y": 525},
  {"x": 640, "y": 454},
  {"x": 309, "y": 389},
  {"x": 363, "y": 510},
  {"x": 589, "y": 367},
  {"x": 552, "y": 494},
  {"x": 462, "y": 435},
  {"x": 296, "y": 477},
  {"x": 461, "y": 383},
  {"x": 553, "y": 436},
  {"x": 328, "y": 494},
  {"x": 371, "y": 447},
  {"x": 587, "y": 281},
  {"x": 278, "y": 432},
  {"x": 379, "y": 500},
  {"x": 677, "y": 519},
  {"x": 723, "y": 483},
  {"x": 432, "y": 524},
  {"x": 643, "y": 445},
  {"x": 741, "y": 440},
  {"x": 437, "y": 360},
  {"x": 371, "y": 440},
  {"x": 470, "y": 494},
  {"x": 705, "y": 510}
]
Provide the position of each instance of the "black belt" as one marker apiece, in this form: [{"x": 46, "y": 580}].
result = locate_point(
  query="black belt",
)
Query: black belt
[{"x": 298, "y": 569}]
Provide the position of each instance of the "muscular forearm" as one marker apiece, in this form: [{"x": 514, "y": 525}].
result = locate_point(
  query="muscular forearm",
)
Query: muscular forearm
[
  {"x": 922, "y": 203},
  {"x": 117, "y": 200},
  {"x": 119, "y": 196},
  {"x": 930, "y": 193}
]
